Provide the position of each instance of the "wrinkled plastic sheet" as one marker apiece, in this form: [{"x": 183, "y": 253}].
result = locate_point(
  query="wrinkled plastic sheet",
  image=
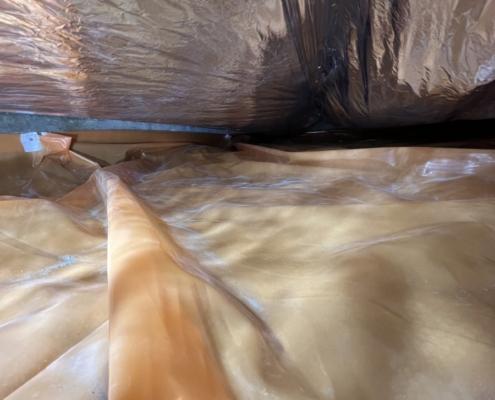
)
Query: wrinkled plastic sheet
[
  {"x": 227, "y": 63},
  {"x": 259, "y": 65},
  {"x": 198, "y": 273},
  {"x": 376, "y": 63}
]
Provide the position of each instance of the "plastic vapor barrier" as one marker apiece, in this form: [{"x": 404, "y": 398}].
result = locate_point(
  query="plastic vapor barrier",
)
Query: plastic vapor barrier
[
  {"x": 259, "y": 65},
  {"x": 197, "y": 273}
]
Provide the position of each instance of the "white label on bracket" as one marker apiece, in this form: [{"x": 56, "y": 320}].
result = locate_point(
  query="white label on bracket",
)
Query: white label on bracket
[{"x": 31, "y": 142}]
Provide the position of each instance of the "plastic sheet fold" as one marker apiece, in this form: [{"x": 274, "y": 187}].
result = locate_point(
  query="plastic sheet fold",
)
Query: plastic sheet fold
[{"x": 194, "y": 272}]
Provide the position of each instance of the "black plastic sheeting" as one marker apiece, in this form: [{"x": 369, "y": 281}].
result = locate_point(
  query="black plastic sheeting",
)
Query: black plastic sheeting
[{"x": 257, "y": 65}]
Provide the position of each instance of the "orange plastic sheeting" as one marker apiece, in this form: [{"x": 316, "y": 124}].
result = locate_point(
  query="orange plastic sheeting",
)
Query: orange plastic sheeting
[
  {"x": 256, "y": 274},
  {"x": 51, "y": 172},
  {"x": 158, "y": 347},
  {"x": 110, "y": 147},
  {"x": 53, "y": 300}
]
